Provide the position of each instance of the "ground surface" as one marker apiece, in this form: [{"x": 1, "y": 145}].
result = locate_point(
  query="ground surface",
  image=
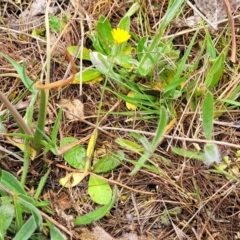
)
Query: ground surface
[{"x": 186, "y": 199}]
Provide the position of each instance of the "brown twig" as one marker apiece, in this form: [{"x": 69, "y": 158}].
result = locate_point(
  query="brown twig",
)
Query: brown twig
[
  {"x": 233, "y": 35},
  {"x": 18, "y": 118}
]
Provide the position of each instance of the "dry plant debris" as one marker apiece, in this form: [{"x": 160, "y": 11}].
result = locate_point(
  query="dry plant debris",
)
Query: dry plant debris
[{"x": 183, "y": 198}]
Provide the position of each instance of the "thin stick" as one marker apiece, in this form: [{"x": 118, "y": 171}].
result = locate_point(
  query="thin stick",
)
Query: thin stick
[
  {"x": 175, "y": 137},
  {"x": 18, "y": 118},
  {"x": 233, "y": 35}
]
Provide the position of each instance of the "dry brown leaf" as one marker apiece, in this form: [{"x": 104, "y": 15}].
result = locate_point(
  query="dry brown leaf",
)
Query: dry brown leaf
[{"x": 73, "y": 109}]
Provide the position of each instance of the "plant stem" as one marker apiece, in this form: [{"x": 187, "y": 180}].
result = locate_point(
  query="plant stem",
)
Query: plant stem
[
  {"x": 18, "y": 118},
  {"x": 41, "y": 122}
]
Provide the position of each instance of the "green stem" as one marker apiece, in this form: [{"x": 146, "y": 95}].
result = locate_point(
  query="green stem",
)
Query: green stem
[{"x": 41, "y": 122}]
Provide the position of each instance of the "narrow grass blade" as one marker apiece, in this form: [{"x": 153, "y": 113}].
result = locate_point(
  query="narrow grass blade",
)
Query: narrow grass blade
[
  {"x": 161, "y": 127},
  {"x": 207, "y": 115},
  {"x": 18, "y": 212},
  {"x": 172, "y": 12},
  {"x": 216, "y": 71},
  {"x": 22, "y": 73},
  {"x": 159, "y": 132},
  {"x": 189, "y": 154},
  {"x": 56, "y": 128},
  {"x": 55, "y": 233},
  {"x": 41, "y": 184},
  {"x": 28, "y": 203},
  {"x": 177, "y": 80}
]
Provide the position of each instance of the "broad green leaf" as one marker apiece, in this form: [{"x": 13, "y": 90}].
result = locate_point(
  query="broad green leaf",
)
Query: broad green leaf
[
  {"x": 216, "y": 71},
  {"x": 125, "y": 61},
  {"x": 27, "y": 230},
  {"x": 7, "y": 214},
  {"x": 207, "y": 115},
  {"x": 188, "y": 153},
  {"x": 55, "y": 233},
  {"x": 75, "y": 156},
  {"x": 85, "y": 52},
  {"x": 104, "y": 34},
  {"x": 11, "y": 183},
  {"x": 99, "y": 213},
  {"x": 87, "y": 75},
  {"x": 99, "y": 190},
  {"x": 127, "y": 144},
  {"x": 108, "y": 162},
  {"x": 124, "y": 24}
]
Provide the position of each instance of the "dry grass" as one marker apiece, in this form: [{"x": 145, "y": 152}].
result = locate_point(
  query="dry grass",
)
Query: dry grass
[{"x": 208, "y": 203}]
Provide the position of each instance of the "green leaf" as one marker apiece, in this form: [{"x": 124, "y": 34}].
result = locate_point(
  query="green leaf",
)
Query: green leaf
[
  {"x": 22, "y": 73},
  {"x": 7, "y": 214},
  {"x": 56, "y": 24},
  {"x": 99, "y": 190},
  {"x": 161, "y": 128},
  {"x": 28, "y": 203},
  {"x": 207, "y": 115},
  {"x": 55, "y": 233},
  {"x": 85, "y": 52},
  {"x": 177, "y": 80},
  {"x": 11, "y": 183},
  {"x": 216, "y": 71},
  {"x": 133, "y": 9},
  {"x": 75, "y": 156},
  {"x": 99, "y": 213},
  {"x": 18, "y": 212},
  {"x": 173, "y": 10},
  {"x": 87, "y": 75},
  {"x": 56, "y": 128},
  {"x": 108, "y": 162},
  {"x": 229, "y": 101},
  {"x": 41, "y": 184},
  {"x": 127, "y": 144},
  {"x": 27, "y": 230},
  {"x": 211, "y": 50},
  {"x": 141, "y": 47},
  {"x": 188, "y": 153},
  {"x": 124, "y": 24},
  {"x": 148, "y": 152},
  {"x": 104, "y": 34}
]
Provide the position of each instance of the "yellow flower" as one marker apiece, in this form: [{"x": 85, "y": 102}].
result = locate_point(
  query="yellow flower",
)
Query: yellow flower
[{"x": 120, "y": 35}]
